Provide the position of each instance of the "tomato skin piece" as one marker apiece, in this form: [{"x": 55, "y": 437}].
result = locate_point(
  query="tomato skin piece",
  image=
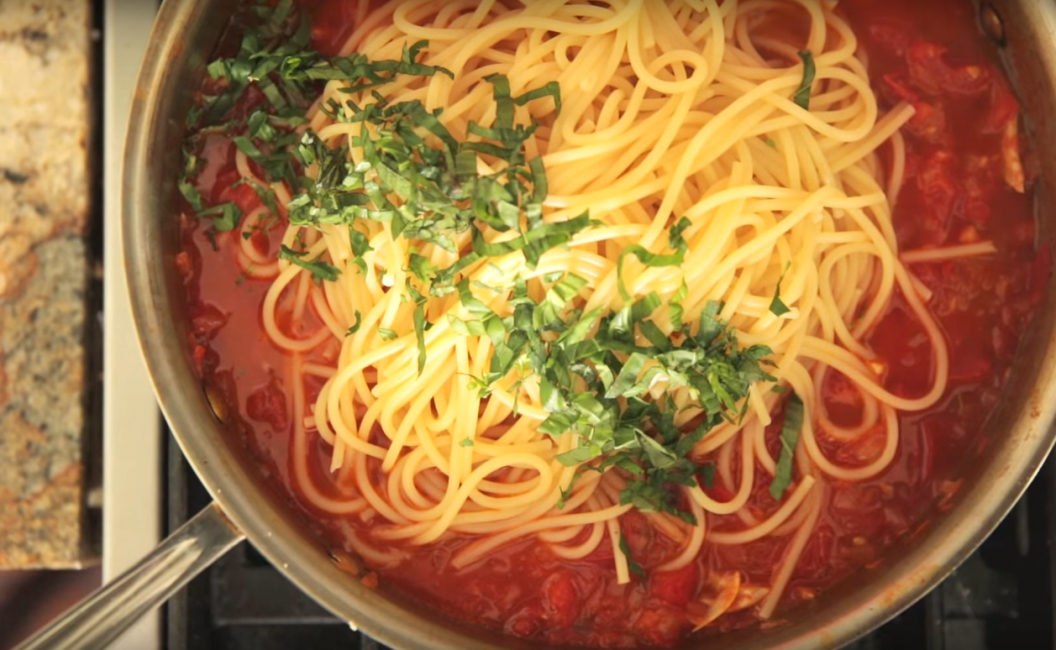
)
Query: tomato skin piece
[
  {"x": 526, "y": 622},
  {"x": 207, "y": 321},
  {"x": 929, "y": 71},
  {"x": 939, "y": 190},
  {"x": 185, "y": 265},
  {"x": 817, "y": 554},
  {"x": 1003, "y": 108},
  {"x": 929, "y": 121},
  {"x": 268, "y": 404}
]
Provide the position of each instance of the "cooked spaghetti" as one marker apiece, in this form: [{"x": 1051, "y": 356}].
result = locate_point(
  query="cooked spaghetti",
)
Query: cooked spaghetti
[{"x": 553, "y": 262}]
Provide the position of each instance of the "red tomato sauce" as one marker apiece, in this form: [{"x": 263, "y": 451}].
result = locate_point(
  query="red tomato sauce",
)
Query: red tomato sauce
[{"x": 930, "y": 54}]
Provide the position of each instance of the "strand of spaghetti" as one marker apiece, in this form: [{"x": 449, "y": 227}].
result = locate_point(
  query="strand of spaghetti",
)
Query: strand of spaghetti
[
  {"x": 747, "y": 483},
  {"x": 583, "y": 549},
  {"x": 765, "y": 528},
  {"x": 793, "y": 523},
  {"x": 340, "y": 432},
  {"x": 897, "y": 176},
  {"x": 623, "y": 572},
  {"x": 477, "y": 549},
  {"x": 855, "y": 370},
  {"x": 321, "y": 306},
  {"x": 696, "y": 539},
  {"x": 347, "y": 371},
  {"x": 402, "y": 478},
  {"x": 856, "y": 473},
  {"x": 558, "y": 535},
  {"x": 667, "y": 525},
  {"x": 948, "y": 252},
  {"x": 402, "y": 483},
  {"x": 286, "y": 276},
  {"x": 870, "y": 411},
  {"x": 791, "y": 556},
  {"x": 541, "y": 509},
  {"x": 450, "y": 509},
  {"x": 251, "y": 261},
  {"x": 883, "y": 292},
  {"x": 378, "y": 558},
  {"x": 302, "y": 456},
  {"x": 885, "y": 128},
  {"x": 761, "y": 453}
]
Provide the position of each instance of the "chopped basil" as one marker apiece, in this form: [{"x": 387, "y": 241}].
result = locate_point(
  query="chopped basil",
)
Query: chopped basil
[
  {"x": 420, "y": 325},
  {"x": 226, "y": 216},
  {"x": 802, "y": 96},
  {"x": 647, "y": 258},
  {"x": 675, "y": 311},
  {"x": 360, "y": 245},
  {"x": 191, "y": 193},
  {"x": 674, "y": 235},
  {"x": 280, "y": 13},
  {"x": 547, "y": 313},
  {"x": 267, "y": 196},
  {"x": 777, "y": 306},
  {"x": 247, "y": 147},
  {"x": 319, "y": 269},
  {"x": 603, "y": 398},
  {"x": 355, "y": 326},
  {"x": 634, "y": 567},
  {"x": 789, "y": 439},
  {"x": 707, "y": 475}
]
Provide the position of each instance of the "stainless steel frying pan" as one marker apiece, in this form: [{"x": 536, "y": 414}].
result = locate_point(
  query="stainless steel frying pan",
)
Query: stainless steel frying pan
[{"x": 245, "y": 507}]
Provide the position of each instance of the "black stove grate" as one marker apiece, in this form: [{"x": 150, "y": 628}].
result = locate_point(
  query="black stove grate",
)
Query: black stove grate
[{"x": 1000, "y": 598}]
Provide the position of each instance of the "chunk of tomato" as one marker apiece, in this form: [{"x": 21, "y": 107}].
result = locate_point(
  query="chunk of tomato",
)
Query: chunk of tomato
[
  {"x": 661, "y": 626},
  {"x": 930, "y": 73},
  {"x": 675, "y": 587},
  {"x": 561, "y": 599}
]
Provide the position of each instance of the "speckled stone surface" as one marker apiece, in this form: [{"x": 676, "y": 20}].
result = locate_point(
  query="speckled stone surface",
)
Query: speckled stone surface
[{"x": 44, "y": 200}]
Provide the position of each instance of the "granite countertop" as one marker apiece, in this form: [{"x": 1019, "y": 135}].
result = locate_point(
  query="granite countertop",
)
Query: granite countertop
[{"x": 45, "y": 195}]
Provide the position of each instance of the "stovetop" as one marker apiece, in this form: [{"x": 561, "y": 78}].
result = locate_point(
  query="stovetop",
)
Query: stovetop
[{"x": 1000, "y": 598}]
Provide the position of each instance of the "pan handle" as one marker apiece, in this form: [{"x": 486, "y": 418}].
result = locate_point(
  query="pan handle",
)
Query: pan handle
[{"x": 104, "y": 615}]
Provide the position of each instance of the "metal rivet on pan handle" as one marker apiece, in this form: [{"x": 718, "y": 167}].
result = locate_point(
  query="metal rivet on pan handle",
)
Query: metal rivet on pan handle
[{"x": 992, "y": 24}]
